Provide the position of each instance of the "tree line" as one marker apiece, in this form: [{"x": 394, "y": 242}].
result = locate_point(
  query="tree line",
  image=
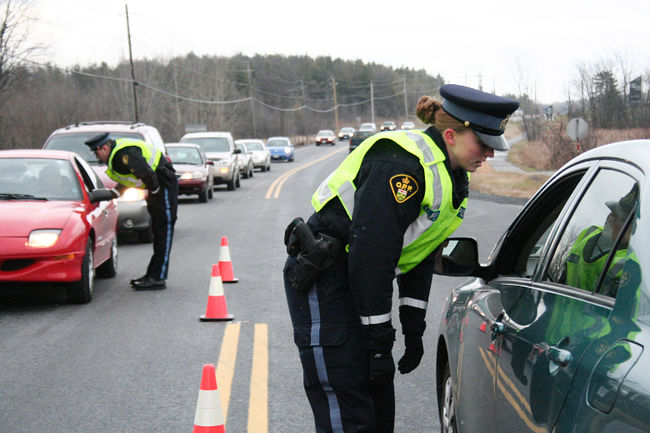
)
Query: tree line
[{"x": 255, "y": 96}]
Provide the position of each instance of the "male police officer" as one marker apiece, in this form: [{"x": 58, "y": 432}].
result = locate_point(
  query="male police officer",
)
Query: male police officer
[
  {"x": 135, "y": 163},
  {"x": 383, "y": 212}
]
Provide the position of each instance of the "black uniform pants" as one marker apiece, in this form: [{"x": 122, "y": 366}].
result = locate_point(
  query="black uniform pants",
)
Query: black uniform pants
[
  {"x": 332, "y": 348},
  {"x": 162, "y": 208}
]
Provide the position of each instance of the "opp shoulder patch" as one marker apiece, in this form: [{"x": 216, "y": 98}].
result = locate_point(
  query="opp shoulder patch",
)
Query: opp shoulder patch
[{"x": 403, "y": 187}]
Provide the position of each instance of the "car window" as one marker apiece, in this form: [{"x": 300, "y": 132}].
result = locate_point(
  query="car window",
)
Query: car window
[
  {"x": 184, "y": 155},
  {"x": 277, "y": 143},
  {"x": 209, "y": 144},
  {"x": 596, "y": 236},
  {"x": 90, "y": 178},
  {"x": 521, "y": 252},
  {"x": 75, "y": 142},
  {"x": 254, "y": 145}
]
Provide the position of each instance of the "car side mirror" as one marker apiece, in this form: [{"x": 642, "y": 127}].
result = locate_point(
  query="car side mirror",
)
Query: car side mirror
[
  {"x": 209, "y": 162},
  {"x": 236, "y": 151},
  {"x": 100, "y": 195},
  {"x": 458, "y": 257}
]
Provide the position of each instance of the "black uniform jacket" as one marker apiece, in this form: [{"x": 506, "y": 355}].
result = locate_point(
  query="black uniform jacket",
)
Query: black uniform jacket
[{"x": 376, "y": 232}]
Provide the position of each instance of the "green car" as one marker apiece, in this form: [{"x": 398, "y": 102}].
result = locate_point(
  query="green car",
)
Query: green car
[{"x": 552, "y": 334}]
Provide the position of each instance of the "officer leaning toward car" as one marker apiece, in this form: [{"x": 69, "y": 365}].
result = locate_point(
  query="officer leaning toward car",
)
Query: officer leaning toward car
[
  {"x": 381, "y": 214},
  {"x": 135, "y": 163}
]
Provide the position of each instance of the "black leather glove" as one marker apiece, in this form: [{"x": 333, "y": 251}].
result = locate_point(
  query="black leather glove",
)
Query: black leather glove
[
  {"x": 381, "y": 367},
  {"x": 412, "y": 354}
]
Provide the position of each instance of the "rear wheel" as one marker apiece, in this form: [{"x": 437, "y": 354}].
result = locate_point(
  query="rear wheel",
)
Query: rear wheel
[
  {"x": 81, "y": 292},
  {"x": 210, "y": 195},
  {"x": 108, "y": 269},
  {"x": 446, "y": 405}
]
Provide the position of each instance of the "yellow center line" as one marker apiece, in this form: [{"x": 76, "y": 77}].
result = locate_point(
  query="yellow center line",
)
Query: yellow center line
[
  {"x": 258, "y": 407},
  {"x": 226, "y": 365},
  {"x": 282, "y": 179}
]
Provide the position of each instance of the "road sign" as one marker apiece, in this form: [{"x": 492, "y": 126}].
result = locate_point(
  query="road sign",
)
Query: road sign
[{"x": 577, "y": 129}]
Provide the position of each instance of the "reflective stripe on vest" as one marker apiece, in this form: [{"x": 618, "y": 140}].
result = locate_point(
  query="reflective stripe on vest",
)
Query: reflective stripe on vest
[
  {"x": 422, "y": 236},
  {"x": 150, "y": 154}
]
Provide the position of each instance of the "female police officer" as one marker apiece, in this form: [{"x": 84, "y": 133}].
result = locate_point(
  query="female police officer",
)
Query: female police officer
[{"x": 382, "y": 213}]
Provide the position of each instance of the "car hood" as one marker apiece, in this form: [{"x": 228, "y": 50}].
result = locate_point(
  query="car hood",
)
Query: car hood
[
  {"x": 19, "y": 218},
  {"x": 188, "y": 167},
  {"x": 217, "y": 155}
]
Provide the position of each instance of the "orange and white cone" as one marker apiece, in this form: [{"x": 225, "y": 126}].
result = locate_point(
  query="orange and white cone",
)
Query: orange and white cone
[
  {"x": 208, "y": 417},
  {"x": 216, "y": 309},
  {"x": 225, "y": 264}
]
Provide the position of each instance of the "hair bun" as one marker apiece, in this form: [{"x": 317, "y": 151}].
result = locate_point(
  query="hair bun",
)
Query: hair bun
[{"x": 426, "y": 109}]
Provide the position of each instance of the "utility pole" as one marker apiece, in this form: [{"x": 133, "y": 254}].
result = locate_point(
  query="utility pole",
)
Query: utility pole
[
  {"x": 406, "y": 107},
  {"x": 372, "y": 103},
  {"x": 250, "y": 95},
  {"x": 336, "y": 106},
  {"x": 302, "y": 112},
  {"x": 128, "y": 33}
]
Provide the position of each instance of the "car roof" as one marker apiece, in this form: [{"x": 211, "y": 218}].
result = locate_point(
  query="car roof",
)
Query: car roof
[
  {"x": 208, "y": 134},
  {"x": 192, "y": 145},
  {"x": 326, "y": 130},
  {"x": 102, "y": 126},
  {"x": 278, "y": 138},
  {"x": 634, "y": 151},
  {"x": 248, "y": 140},
  {"x": 36, "y": 153}
]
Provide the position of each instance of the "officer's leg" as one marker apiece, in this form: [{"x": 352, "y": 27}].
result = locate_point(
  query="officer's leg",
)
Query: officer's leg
[
  {"x": 384, "y": 400},
  {"x": 332, "y": 352},
  {"x": 162, "y": 208}
]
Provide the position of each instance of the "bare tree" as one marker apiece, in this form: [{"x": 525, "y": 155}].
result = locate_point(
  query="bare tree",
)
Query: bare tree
[{"x": 14, "y": 49}]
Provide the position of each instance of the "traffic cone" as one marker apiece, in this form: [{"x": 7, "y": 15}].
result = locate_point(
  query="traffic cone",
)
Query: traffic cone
[
  {"x": 208, "y": 417},
  {"x": 216, "y": 309},
  {"x": 225, "y": 264}
]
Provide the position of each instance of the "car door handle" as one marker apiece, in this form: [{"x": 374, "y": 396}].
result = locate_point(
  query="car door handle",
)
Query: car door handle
[{"x": 561, "y": 357}]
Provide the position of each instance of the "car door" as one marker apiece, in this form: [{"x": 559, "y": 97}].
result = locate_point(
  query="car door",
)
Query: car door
[
  {"x": 551, "y": 316},
  {"x": 102, "y": 215}
]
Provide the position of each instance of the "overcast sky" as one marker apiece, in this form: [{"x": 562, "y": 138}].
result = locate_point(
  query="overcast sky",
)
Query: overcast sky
[{"x": 503, "y": 45}]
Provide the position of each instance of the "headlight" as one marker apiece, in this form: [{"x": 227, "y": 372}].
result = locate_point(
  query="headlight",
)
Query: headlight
[
  {"x": 287, "y": 150},
  {"x": 132, "y": 194},
  {"x": 43, "y": 238},
  {"x": 191, "y": 175}
]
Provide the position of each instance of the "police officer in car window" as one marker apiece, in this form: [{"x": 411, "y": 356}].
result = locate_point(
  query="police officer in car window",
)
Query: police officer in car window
[
  {"x": 381, "y": 215},
  {"x": 137, "y": 164}
]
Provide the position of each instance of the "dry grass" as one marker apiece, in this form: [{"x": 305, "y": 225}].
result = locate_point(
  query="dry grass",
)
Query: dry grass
[{"x": 519, "y": 185}]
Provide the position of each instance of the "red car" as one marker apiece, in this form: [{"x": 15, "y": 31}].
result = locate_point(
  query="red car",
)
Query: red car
[
  {"x": 193, "y": 170},
  {"x": 57, "y": 222}
]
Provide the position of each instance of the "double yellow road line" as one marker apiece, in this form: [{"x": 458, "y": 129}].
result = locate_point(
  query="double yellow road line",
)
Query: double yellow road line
[
  {"x": 276, "y": 186},
  {"x": 258, "y": 403}
]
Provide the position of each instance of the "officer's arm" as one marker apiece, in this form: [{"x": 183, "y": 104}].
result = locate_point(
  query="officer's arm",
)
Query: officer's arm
[
  {"x": 141, "y": 169},
  {"x": 376, "y": 234},
  {"x": 414, "y": 287}
]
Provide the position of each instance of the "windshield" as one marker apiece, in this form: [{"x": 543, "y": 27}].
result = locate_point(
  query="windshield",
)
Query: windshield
[
  {"x": 38, "y": 179},
  {"x": 75, "y": 143},
  {"x": 254, "y": 145},
  {"x": 209, "y": 144},
  {"x": 184, "y": 155},
  {"x": 279, "y": 142},
  {"x": 325, "y": 133}
]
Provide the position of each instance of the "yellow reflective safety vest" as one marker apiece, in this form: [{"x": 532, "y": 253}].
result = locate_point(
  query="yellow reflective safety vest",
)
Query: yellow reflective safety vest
[
  {"x": 584, "y": 273},
  {"x": 150, "y": 154},
  {"x": 437, "y": 219}
]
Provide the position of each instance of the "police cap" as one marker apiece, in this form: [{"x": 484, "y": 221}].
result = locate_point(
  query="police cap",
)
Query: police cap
[
  {"x": 622, "y": 208},
  {"x": 97, "y": 140},
  {"x": 485, "y": 113}
]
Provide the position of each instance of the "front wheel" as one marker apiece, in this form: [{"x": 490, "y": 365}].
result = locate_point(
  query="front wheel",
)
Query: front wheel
[
  {"x": 81, "y": 292},
  {"x": 446, "y": 405}
]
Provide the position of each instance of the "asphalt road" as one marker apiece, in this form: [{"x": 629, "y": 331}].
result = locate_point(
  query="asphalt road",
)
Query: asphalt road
[{"x": 131, "y": 361}]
